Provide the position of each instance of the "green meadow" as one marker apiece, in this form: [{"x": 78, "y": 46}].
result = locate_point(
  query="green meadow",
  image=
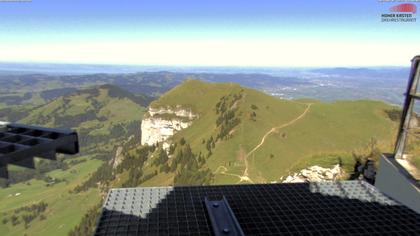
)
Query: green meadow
[{"x": 64, "y": 209}]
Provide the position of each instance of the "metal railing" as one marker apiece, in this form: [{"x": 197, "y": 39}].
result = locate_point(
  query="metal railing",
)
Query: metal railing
[{"x": 409, "y": 124}]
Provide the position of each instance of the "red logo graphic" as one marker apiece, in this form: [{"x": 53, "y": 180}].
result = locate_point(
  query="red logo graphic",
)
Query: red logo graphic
[{"x": 405, "y": 7}]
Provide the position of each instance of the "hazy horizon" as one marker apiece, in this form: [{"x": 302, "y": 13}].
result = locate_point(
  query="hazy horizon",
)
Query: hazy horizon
[{"x": 87, "y": 68}]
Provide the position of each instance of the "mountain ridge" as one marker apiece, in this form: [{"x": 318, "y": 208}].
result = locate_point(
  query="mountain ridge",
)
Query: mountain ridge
[{"x": 266, "y": 131}]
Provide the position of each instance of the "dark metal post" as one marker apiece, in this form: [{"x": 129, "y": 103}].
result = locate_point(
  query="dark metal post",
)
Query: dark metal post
[{"x": 411, "y": 96}]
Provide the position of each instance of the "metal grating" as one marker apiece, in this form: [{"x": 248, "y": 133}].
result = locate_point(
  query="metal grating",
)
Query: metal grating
[
  {"x": 332, "y": 208},
  {"x": 20, "y": 143}
]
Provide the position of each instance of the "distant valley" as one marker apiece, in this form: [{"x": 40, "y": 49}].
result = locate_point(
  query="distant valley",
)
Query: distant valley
[{"x": 38, "y": 84}]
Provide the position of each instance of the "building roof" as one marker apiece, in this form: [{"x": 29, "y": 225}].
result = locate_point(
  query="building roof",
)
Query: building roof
[{"x": 327, "y": 208}]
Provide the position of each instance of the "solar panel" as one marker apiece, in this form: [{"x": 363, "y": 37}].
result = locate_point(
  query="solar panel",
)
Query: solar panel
[
  {"x": 328, "y": 208},
  {"x": 20, "y": 143}
]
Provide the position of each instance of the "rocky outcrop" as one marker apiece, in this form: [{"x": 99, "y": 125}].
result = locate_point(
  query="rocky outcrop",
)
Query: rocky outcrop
[
  {"x": 315, "y": 174},
  {"x": 119, "y": 157},
  {"x": 159, "y": 124},
  {"x": 119, "y": 154},
  {"x": 178, "y": 111}
]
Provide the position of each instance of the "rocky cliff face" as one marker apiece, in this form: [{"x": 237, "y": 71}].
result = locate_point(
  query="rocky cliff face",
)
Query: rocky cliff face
[
  {"x": 159, "y": 124},
  {"x": 314, "y": 174},
  {"x": 119, "y": 157},
  {"x": 119, "y": 154}
]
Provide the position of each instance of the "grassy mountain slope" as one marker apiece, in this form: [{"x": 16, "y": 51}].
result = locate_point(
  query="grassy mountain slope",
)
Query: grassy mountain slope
[
  {"x": 242, "y": 132},
  {"x": 107, "y": 101},
  {"x": 104, "y": 116},
  {"x": 268, "y": 136},
  {"x": 96, "y": 113},
  {"x": 60, "y": 216}
]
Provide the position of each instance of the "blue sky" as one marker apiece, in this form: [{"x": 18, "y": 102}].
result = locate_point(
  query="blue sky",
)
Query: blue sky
[{"x": 216, "y": 32}]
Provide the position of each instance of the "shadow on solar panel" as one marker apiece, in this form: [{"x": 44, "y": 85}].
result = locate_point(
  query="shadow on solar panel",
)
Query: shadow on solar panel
[{"x": 340, "y": 208}]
